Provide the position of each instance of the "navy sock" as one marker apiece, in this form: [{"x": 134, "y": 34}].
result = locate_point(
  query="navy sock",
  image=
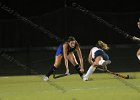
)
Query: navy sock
[
  {"x": 52, "y": 69},
  {"x": 77, "y": 67}
]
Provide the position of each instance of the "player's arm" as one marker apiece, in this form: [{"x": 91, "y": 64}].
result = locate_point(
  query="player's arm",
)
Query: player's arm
[
  {"x": 138, "y": 54},
  {"x": 65, "y": 52},
  {"x": 90, "y": 57},
  {"x": 78, "y": 50}
]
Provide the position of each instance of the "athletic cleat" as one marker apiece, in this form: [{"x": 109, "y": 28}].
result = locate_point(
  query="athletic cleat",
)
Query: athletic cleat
[
  {"x": 85, "y": 78},
  {"x": 107, "y": 62},
  {"x": 45, "y": 78},
  {"x": 67, "y": 73}
]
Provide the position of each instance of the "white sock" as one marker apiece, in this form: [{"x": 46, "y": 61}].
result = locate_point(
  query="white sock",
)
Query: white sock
[
  {"x": 90, "y": 71},
  {"x": 138, "y": 57}
]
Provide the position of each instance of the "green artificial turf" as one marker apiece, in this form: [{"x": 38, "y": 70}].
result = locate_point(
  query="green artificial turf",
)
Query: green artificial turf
[{"x": 101, "y": 86}]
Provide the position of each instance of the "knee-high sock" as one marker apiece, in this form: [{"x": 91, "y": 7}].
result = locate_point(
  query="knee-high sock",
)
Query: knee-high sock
[
  {"x": 90, "y": 71},
  {"x": 52, "y": 69},
  {"x": 77, "y": 67}
]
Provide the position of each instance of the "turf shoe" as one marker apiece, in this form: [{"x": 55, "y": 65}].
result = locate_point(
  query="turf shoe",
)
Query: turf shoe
[
  {"x": 84, "y": 78},
  {"x": 45, "y": 78},
  {"x": 107, "y": 62},
  {"x": 67, "y": 73}
]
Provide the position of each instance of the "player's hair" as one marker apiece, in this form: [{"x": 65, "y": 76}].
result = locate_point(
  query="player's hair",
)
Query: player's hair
[
  {"x": 70, "y": 38},
  {"x": 102, "y": 45}
]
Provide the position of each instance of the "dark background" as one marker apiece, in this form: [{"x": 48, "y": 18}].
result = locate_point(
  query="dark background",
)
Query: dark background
[
  {"x": 64, "y": 21},
  {"x": 28, "y": 44}
]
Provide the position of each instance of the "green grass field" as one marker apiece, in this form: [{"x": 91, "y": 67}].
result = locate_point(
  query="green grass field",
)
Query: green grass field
[{"x": 101, "y": 86}]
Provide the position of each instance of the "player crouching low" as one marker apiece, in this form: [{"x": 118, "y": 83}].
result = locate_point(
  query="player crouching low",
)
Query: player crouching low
[{"x": 97, "y": 57}]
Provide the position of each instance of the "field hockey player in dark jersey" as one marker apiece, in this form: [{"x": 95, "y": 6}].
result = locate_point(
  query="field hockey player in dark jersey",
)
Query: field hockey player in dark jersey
[{"x": 66, "y": 51}]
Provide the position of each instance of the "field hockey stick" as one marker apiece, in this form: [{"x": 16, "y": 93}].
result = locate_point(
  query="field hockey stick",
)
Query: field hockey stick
[
  {"x": 116, "y": 74},
  {"x": 59, "y": 76},
  {"x": 119, "y": 75}
]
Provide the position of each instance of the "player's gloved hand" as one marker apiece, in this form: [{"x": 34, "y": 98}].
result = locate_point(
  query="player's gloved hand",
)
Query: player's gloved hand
[
  {"x": 135, "y": 38},
  {"x": 138, "y": 57}
]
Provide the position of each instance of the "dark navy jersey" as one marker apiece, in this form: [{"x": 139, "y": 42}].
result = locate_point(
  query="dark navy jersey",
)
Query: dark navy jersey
[
  {"x": 60, "y": 49},
  {"x": 71, "y": 49}
]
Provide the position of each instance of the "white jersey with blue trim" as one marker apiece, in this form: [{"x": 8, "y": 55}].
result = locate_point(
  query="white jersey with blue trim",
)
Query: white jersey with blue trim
[{"x": 94, "y": 49}]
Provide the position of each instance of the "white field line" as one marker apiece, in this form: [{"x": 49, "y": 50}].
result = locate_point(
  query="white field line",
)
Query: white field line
[
  {"x": 4, "y": 77},
  {"x": 79, "y": 89}
]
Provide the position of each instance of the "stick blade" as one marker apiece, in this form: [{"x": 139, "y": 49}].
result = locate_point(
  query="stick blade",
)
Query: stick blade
[{"x": 59, "y": 76}]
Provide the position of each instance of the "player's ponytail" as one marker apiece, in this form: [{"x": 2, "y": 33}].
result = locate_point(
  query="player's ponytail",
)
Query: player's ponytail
[{"x": 102, "y": 45}]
